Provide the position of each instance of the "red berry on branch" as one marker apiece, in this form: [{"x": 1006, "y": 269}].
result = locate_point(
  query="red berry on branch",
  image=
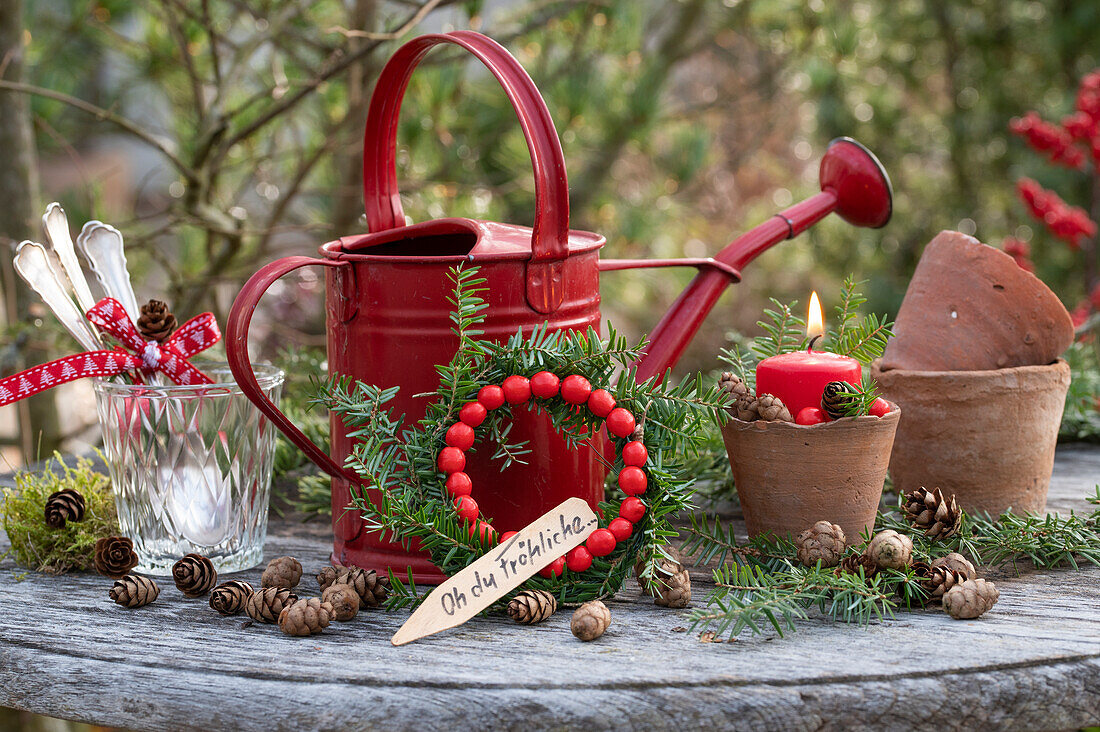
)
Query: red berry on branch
[
  {"x": 517, "y": 389},
  {"x": 578, "y": 559},
  {"x": 575, "y": 389},
  {"x": 880, "y": 408},
  {"x": 484, "y": 529},
  {"x": 600, "y": 403},
  {"x": 556, "y": 568},
  {"x": 459, "y": 484},
  {"x": 473, "y": 414},
  {"x": 460, "y": 435},
  {"x": 507, "y": 535},
  {"x": 491, "y": 397},
  {"x": 632, "y": 480},
  {"x": 634, "y": 453},
  {"x": 620, "y": 422},
  {"x": 544, "y": 385},
  {"x": 466, "y": 507},
  {"x": 451, "y": 460},
  {"x": 632, "y": 509},
  {"x": 811, "y": 415},
  {"x": 601, "y": 542},
  {"x": 621, "y": 529}
]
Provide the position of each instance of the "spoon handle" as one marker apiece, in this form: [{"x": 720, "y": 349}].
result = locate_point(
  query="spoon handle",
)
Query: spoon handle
[
  {"x": 102, "y": 245},
  {"x": 33, "y": 264},
  {"x": 57, "y": 232}
]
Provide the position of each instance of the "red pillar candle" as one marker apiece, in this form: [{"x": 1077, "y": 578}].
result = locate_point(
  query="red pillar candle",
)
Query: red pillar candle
[{"x": 799, "y": 378}]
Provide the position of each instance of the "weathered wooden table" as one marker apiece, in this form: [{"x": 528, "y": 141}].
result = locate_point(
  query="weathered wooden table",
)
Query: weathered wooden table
[{"x": 1032, "y": 663}]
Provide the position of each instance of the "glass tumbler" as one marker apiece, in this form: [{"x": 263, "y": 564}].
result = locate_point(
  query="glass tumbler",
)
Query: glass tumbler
[{"x": 191, "y": 467}]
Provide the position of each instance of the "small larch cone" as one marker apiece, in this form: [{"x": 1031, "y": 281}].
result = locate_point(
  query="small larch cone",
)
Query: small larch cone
[
  {"x": 532, "y": 606},
  {"x": 823, "y": 542},
  {"x": 970, "y": 599},
  {"x": 229, "y": 598},
  {"x": 890, "y": 550},
  {"x": 373, "y": 588},
  {"x": 590, "y": 620},
  {"x": 958, "y": 563},
  {"x": 133, "y": 590},
  {"x": 114, "y": 556},
  {"x": 664, "y": 568},
  {"x": 937, "y": 580},
  {"x": 837, "y": 399},
  {"x": 344, "y": 600},
  {"x": 264, "y": 606},
  {"x": 156, "y": 322},
  {"x": 674, "y": 592},
  {"x": 62, "y": 506},
  {"x": 740, "y": 397},
  {"x": 328, "y": 575},
  {"x": 929, "y": 512},
  {"x": 853, "y": 563},
  {"x": 771, "y": 409},
  {"x": 282, "y": 572},
  {"x": 305, "y": 617},
  {"x": 194, "y": 575}
]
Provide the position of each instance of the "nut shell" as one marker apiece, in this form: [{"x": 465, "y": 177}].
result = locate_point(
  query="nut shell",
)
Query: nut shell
[
  {"x": 890, "y": 550},
  {"x": 590, "y": 620},
  {"x": 823, "y": 542}
]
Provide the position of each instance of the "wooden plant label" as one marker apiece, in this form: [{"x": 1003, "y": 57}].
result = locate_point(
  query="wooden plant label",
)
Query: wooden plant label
[{"x": 501, "y": 570}]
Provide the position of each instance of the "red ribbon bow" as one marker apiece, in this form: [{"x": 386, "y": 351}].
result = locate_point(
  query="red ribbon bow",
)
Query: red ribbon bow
[{"x": 169, "y": 358}]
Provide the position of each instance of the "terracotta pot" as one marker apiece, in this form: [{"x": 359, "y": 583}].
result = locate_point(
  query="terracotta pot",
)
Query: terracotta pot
[
  {"x": 970, "y": 307},
  {"x": 986, "y": 436},
  {"x": 790, "y": 476}
]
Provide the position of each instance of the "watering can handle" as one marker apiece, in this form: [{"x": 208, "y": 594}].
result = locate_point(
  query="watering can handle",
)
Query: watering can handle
[
  {"x": 236, "y": 349},
  {"x": 550, "y": 237}
]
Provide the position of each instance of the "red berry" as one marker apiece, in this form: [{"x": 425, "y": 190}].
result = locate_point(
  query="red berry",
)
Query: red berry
[
  {"x": 555, "y": 569},
  {"x": 491, "y": 397},
  {"x": 459, "y": 484},
  {"x": 880, "y": 408},
  {"x": 484, "y": 529},
  {"x": 600, "y": 403},
  {"x": 575, "y": 389},
  {"x": 473, "y": 413},
  {"x": 517, "y": 389},
  {"x": 451, "y": 460},
  {"x": 578, "y": 559},
  {"x": 620, "y": 422},
  {"x": 632, "y": 480},
  {"x": 507, "y": 535},
  {"x": 601, "y": 542},
  {"x": 621, "y": 529},
  {"x": 544, "y": 385},
  {"x": 634, "y": 453},
  {"x": 460, "y": 435},
  {"x": 811, "y": 415},
  {"x": 466, "y": 508},
  {"x": 632, "y": 509}
]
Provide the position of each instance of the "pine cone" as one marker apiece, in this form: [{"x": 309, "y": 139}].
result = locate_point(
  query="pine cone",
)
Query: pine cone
[
  {"x": 770, "y": 409},
  {"x": 928, "y": 511},
  {"x": 282, "y": 572},
  {"x": 532, "y": 606},
  {"x": 740, "y": 397},
  {"x": 155, "y": 322},
  {"x": 344, "y": 600},
  {"x": 305, "y": 617},
  {"x": 194, "y": 575},
  {"x": 264, "y": 606},
  {"x": 590, "y": 620},
  {"x": 328, "y": 575},
  {"x": 937, "y": 580},
  {"x": 229, "y": 598},
  {"x": 64, "y": 505},
  {"x": 114, "y": 556},
  {"x": 674, "y": 592},
  {"x": 373, "y": 588},
  {"x": 890, "y": 550},
  {"x": 823, "y": 542},
  {"x": 837, "y": 398},
  {"x": 664, "y": 569},
  {"x": 133, "y": 590},
  {"x": 958, "y": 563},
  {"x": 854, "y": 562},
  {"x": 970, "y": 599}
]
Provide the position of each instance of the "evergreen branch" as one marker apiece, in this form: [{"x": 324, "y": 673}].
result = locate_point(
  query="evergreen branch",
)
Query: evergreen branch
[{"x": 785, "y": 331}]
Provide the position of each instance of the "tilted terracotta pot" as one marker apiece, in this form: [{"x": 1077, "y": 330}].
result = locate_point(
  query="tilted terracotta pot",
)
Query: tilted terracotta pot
[
  {"x": 791, "y": 476},
  {"x": 970, "y": 307},
  {"x": 986, "y": 436}
]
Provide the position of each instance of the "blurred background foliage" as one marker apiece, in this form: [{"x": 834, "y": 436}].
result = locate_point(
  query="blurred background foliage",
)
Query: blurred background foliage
[{"x": 227, "y": 134}]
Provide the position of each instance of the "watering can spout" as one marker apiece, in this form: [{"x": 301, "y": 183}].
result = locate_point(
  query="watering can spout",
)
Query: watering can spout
[{"x": 853, "y": 184}]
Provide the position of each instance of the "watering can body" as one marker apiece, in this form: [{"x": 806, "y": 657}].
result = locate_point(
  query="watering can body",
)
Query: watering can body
[{"x": 388, "y": 315}]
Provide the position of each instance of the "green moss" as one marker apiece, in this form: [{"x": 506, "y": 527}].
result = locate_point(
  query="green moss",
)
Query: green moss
[{"x": 34, "y": 544}]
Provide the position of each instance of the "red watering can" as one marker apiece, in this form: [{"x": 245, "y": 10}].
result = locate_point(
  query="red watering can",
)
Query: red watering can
[{"x": 387, "y": 310}]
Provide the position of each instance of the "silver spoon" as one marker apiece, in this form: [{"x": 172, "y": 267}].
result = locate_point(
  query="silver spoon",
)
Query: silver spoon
[
  {"x": 102, "y": 246},
  {"x": 57, "y": 232},
  {"x": 33, "y": 264}
]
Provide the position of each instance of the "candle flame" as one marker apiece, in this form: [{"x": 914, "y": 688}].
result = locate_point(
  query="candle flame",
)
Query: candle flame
[{"x": 815, "y": 321}]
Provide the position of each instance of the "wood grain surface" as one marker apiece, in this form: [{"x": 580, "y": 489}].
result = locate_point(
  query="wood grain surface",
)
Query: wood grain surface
[{"x": 1033, "y": 663}]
